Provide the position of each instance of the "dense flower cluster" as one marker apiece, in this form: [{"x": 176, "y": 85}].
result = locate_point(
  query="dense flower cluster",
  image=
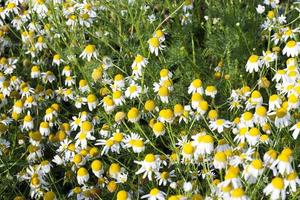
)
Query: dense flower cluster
[{"x": 105, "y": 132}]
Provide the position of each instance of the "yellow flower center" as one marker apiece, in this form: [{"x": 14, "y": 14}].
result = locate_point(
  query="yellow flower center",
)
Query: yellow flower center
[
  {"x": 281, "y": 112},
  {"x": 149, "y": 158},
  {"x": 86, "y": 126},
  {"x": 278, "y": 183},
  {"x": 253, "y": 58},
  {"x": 118, "y": 137},
  {"x": 291, "y": 44},
  {"x": 149, "y": 105},
  {"x": 261, "y": 111},
  {"x": 122, "y": 195},
  {"x": 220, "y": 156},
  {"x": 133, "y": 113},
  {"x": 247, "y": 116},
  {"x": 132, "y": 89},
  {"x": 138, "y": 59},
  {"x": 154, "y": 42},
  {"x": 197, "y": 83},
  {"x": 154, "y": 192},
  {"x": 158, "y": 127},
  {"x": 257, "y": 164},
  {"x": 77, "y": 159},
  {"x": 237, "y": 193},
  {"x": 254, "y": 132},
  {"x": 82, "y": 172},
  {"x": 163, "y": 91},
  {"x": 114, "y": 168},
  {"x": 89, "y": 49},
  {"x": 91, "y": 98}
]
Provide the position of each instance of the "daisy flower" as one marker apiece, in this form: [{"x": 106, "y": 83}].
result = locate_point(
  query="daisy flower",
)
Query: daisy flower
[
  {"x": 211, "y": 91},
  {"x": 291, "y": 49},
  {"x": 203, "y": 143},
  {"x": 139, "y": 61},
  {"x": 219, "y": 125},
  {"x": 155, "y": 194},
  {"x": 57, "y": 60},
  {"x": 253, "y": 64},
  {"x": 135, "y": 142},
  {"x": 92, "y": 101},
  {"x": 282, "y": 118},
  {"x": 164, "y": 94},
  {"x": 133, "y": 91},
  {"x": 133, "y": 115},
  {"x": 35, "y": 72},
  {"x": 82, "y": 176},
  {"x": 276, "y": 189},
  {"x": 155, "y": 45},
  {"x": 149, "y": 166},
  {"x": 292, "y": 180},
  {"x": 166, "y": 115},
  {"x": 220, "y": 160},
  {"x": 89, "y": 52},
  {"x": 196, "y": 86},
  {"x": 164, "y": 177}
]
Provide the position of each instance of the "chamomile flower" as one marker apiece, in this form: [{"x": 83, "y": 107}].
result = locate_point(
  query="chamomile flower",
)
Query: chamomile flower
[
  {"x": 282, "y": 118},
  {"x": 133, "y": 91},
  {"x": 260, "y": 115},
  {"x": 149, "y": 166},
  {"x": 92, "y": 101},
  {"x": 115, "y": 171},
  {"x": 164, "y": 94},
  {"x": 196, "y": 87},
  {"x": 135, "y": 142},
  {"x": 155, "y": 194},
  {"x": 219, "y": 125},
  {"x": 232, "y": 177},
  {"x": 204, "y": 144},
  {"x": 164, "y": 177},
  {"x": 139, "y": 61},
  {"x": 118, "y": 98},
  {"x": 82, "y": 176},
  {"x": 35, "y": 72},
  {"x": 57, "y": 60},
  {"x": 123, "y": 195},
  {"x": 253, "y": 64},
  {"x": 238, "y": 194},
  {"x": 283, "y": 162},
  {"x": 89, "y": 52},
  {"x": 155, "y": 45},
  {"x": 166, "y": 115},
  {"x": 133, "y": 115},
  {"x": 291, "y": 49},
  {"x": 108, "y": 104},
  {"x": 220, "y": 160},
  {"x": 253, "y": 136},
  {"x": 28, "y": 122},
  {"x": 211, "y": 91},
  {"x": 165, "y": 74},
  {"x": 276, "y": 189},
  {"x": 274, "y": 102},
  {"x": 158, "y": 129},
  {"x": 292, "y": 180},
  {"x": 253, "y": 171}
]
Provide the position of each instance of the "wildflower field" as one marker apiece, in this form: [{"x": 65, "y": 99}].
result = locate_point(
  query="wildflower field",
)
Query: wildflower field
[{"x": 149, "y": 99}]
